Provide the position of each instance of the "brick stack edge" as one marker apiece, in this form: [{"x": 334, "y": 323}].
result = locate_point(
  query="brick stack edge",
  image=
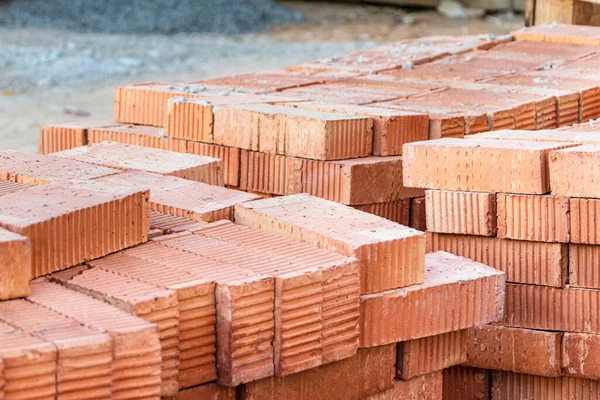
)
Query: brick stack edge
[{"x": 275, "y": 259}]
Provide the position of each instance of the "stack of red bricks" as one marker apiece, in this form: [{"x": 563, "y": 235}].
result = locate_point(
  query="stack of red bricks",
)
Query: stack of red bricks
[
  {"x": 526, "y": 203},
  {"x": 123, "y": 275}
]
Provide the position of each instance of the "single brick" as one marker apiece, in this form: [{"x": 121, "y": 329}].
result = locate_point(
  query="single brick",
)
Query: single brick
[
  {"x": 70, "y": 223},
  {"x": 211, "y": 391},
  {"x": 156, "y": 305},
  {"x": 391, "y": 255},
  {"x": 536, "y": 263},
  {"x": 15, "y": 265},
  {"x": 510, "y": 386},
  {"x": 84, "y": 355},
  {"x": 537, "y": 218},
  {"x": 397, "y": 211},
  {"x": 584, "y": 213},
  {"x": 35, "y": 169},
  {"x": 229, "y": 155},
  {"x": 425, "y": 387},
  {"x": 468, "y": 213},
  {"x": 59, "y": 137},
  {"x": 349, "y": 94},
  {"x": 168, "y": 224},
  {"x": 418, "y": 214},
  {"x": 294, "y": 132},
  {"x": 129, "y": 157},
  {"x": 580, "y": 355},
  {"x": 572, "y": 170},
  {"x": 193, "y": 200},
  {"x": 512, "y": 349},
  {"x": 139, "y": 135},
  {"x": 559, "y": 33},
  {"x": 30, "y": 365},
  {"x": 491, "y": 166},
  {"x": 136, "y": 346},
  {"x": 462, "y": 382},
  {"x": 584, "y": 261},
  {"x": 267, "y": 173},
  {"x": 432, "y": 308},
  {"x": 430, "y": 354}
]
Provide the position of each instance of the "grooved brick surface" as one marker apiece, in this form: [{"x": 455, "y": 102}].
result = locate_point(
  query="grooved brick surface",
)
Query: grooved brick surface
[
  {"x": 457, "y": 294},
  {"x": 396, "y": 211},
  {"x": 15, "y": 265},
  {"x": 391, "y": 255},
  {"x": 512, "y": 386},
  {"x": 59, "y": 137},
  {"x": 584, "y": 213},
  {"x": 584, "y": 261},
  {"x": 139, "y": 135},
  {"x": 466, "y": 213},
  {"x": 425, "y": 387},
  {"x": 267, "y": 173},
  {"x": 580, "y": 355},
  {"x": 168, "y": 224},
  {"x": 229, "y": 155},
  {"x": 7, "y": 187}
]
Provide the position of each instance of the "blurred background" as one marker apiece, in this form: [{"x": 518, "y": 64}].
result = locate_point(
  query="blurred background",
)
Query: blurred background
[{"x": 60, "y": 59}]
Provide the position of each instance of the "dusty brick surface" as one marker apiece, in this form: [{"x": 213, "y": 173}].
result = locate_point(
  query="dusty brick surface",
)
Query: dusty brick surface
[
  {"x": 559, "y": 33},
  {"x": 15, "y": 265},
  {"x": 466, "y": 213}
]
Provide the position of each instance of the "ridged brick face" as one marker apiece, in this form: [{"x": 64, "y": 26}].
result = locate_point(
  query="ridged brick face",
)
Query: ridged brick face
[
  {"x": 7, "y": 187},
  {"x": 229, "y": 155},
  {"x": 462, "y": 382},
  {"x": 147, "y": 136},
  {"x": 397, "y": 211},
  {"x": 493, "y": 166},
  {"x": 512, "y": 349},
  {"x": 584, "y": 261},
  {"x": 207, "y": 391},
  {"x": 399, "y": 315},
  {"x": 580, "y": 355},
  {"x": 391, "y": 255},
  {"x": 509, "y": 385},
  {"x": 534, "y": 218},
  {"x": 572, "y": 169},
  {"x": 466, "y": 213},
  {"x": 15, "y": 265},
  {"x": 135, "y": 341},
  {"x": 523, "y": 262},
  {"x": 584, "y": 214},
  {"x": 266, "y": 173},
  {"x": 168, "y": 224},
  {"x": 425, "y": 387}
]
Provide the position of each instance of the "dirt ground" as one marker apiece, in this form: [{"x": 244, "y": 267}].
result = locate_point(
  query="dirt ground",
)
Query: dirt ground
[{"x": 49, "y": 76}]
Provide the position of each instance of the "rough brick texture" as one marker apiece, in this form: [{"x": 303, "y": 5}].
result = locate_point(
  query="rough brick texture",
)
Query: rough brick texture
[
  {"x": 425, "y": 387},
  {"x": 138, "y": 135},
  {"x": 229, "y": 155},
  {"x": 584, "y": 261},
  {"x": 418, "y": 214},
  {"x": 462, "y": 382},
  {"x": 511, "y": 386},
  {"x": 584, "y": 213},
  {"x": 59, "y": 137},
  {"x": 15, "y": 265},
  {"x": 467, "y": 213},
  {"x": 571, "y": 171},
  {"x": 210, "y": 391}
]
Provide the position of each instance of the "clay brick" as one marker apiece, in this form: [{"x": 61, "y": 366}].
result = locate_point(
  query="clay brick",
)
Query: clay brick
[
  {"x": 517, "y": 350},
  {"x": 461, "y": 212},
  {"x": 418, "y": 214},
  {"x": 139, "y": 135},
  {"x": 572, "y": 170},
  {"x": 156, "y": 305},
  {"x": 136, "y": 346},
  {"x": 59, "y": 137},
  {"x": 391, "y": 255},
  {"x": 35, "y": 169},
  {"x": 15, "y": 265},
  {"x": 430, "y": 354},
  {"x": 84, "y": 355},
  {"x": 536, "y": 136},
  {"x": 537, "y": 218},
  {"x": 560, "y": 33},
  {"x": 193, "y": 200},
  {"x": 492, "y": 166},
  {"x": 544, "y": 52},
  {"x": 425, "y": 387},
  {"x": 244, "y": 306},
  {"x": 294, "y": 132},
  {"x": 391, "y": 128},
  {"x": 350, "y": 94},
  {"x": 2, "y": 381},
  {"x": 30, "y": 365},
  {"x": 546, "y": 308},
  {"x": 7, "y": 187},
  {"x": 536, "y": 263},
  {"x": 267, "y": 173},
  {"x": 584, "y": 213},
  {"x": 583, "y": 266},
  {"x": 168, "y": 224},
  {"x": 462, "y": 382},
  {"x": 397, "y": 211},
  {"x": 511, "y": 386},
  {"x": 229, "y": 155},
  {"x": 129, "y": 157},
  {"x": 431, "y": 308},
  {"x": 209, "y": 391},
  {"x": 69, "y": 223},
  {"x": 580, "y": 356}
]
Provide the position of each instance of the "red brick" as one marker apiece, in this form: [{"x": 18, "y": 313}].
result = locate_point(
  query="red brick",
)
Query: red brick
[
  {"x": 209, "y": 391},
  {"x": 457, "y": 294},
  {"x": 580, "y": 355},
  {"x": 492, "y": 166},
  {"x": 267, "y": 173},
  {"x": 560, "y": 33},
  {"x": 391, "y": 255},
  {"x": 193, "y": 200},
  {"x": 15, "y": 265},
  {"x": 572, "y": 170},
  {"x": 229, "y": 155},
  {"x": 430, "y": 354},
  {"x": 418, "y": 216},
  {"x": 584, "y": 213},
  {"x": 168, "y": 224},
  {"x": 129, "y": 157},
  {"x": 139, "y": 135},
  {"x": 425, "y": 387},
  {"x": 461, "y": 212},
  {"x": 84, "y": 355},
  {"x": 511, "y": 386},
  {"x": 7, "y": 187},
  {"x": 397, "y": 211},
  {"x": 536, "y": 136},
  {"x": 512, "y": 349},
  {"x": 135, "y": 341},
  {"x": 351, "y": 94},
  {"x": 59, "y": 137},
  {"x": 524, "y": 262},
  {"x": 537, "y": 218},
  {"x": 583, "y": 266},
  {"x": 462, "y": 382},
  {"x": 542, "y": 52},
  {"x": 294, "y": 132},
  {"x": 86, "y": 221},
  {"x": 25, "y": 356}
]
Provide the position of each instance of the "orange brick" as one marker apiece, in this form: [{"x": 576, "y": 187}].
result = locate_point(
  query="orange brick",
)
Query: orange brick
[
  {"x": 418, "y": 215},
  {"x": 59, "y": 137},
  {"x": 572, "y": 170},
  {"x": 425, "y": 387},
  {"x": 266, "y": 173},
  {"x": 391, "y": 255},
  {"x": 524, "y": 262},
  {"x": 559, "y": 33},
  {"x": 517, "y": 350},
  {"x": 86, "y": 222},
  {"x": 468, "y": 213},
  {"x": 34, "y": 169},
  {"x": 580, "y": 355},
  {"x": 583, "y": 266},
  {"x": 397, "y": 210},
  {"x": 572, "y": 135},
  {"x": 492, "y": 166},
  {"x": 537, "y": 218},
  {"x": 129, "y": 157},
  {"x": 193, "y": 200},
  {"x": 7, "y": 187},
  {"x": 511, "y": 386},
  {"x": 294, "y": 132},
  {"x": 349, "y": 94},
  {"x": 84, "y": 355},
  {"x": 139, "y": 135},
  {"x": 229, "y": 155},
  {"x": 584, "y": 213},
  {"x": 462, "y": 382},
  {"x": 15, "y": 265},
  {"x": 168, "y": 224},
  {"x": 431, "y": 308},
  {"x": 209, "y": 391}
]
